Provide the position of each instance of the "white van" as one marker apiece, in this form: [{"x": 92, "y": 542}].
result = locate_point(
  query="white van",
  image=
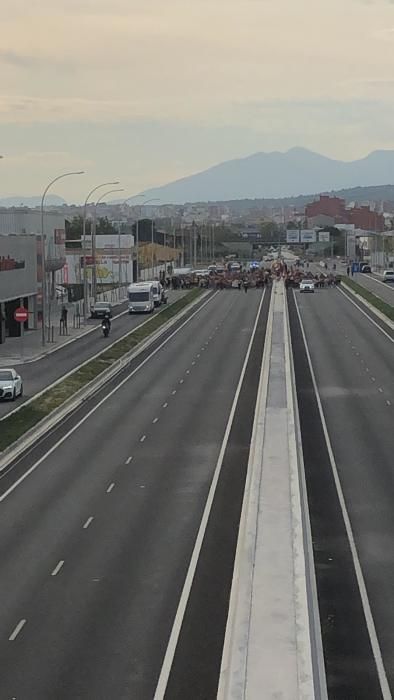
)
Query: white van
[
  {"x": 141, "y": 298},
  {"x": 157, "y": 290}
]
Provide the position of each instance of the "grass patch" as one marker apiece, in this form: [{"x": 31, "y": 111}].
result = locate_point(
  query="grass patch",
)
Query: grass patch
[
  {"x": 382, "y": 306},
  {"x": 27, "y": 417}
]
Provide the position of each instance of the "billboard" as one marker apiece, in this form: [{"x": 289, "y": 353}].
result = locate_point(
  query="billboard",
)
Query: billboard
[
  {"x": 308, "y": 236},
  {"x": 18, "y": 266},
  {"x": 292, "y": 236},
  {"x": 324, "y": 236}
]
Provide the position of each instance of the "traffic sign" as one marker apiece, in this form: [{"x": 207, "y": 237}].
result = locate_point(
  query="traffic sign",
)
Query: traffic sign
[{"x": 21, "y": 314}]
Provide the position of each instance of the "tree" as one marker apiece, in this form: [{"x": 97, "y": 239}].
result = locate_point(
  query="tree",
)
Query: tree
[{"x": 74, "y": 228}]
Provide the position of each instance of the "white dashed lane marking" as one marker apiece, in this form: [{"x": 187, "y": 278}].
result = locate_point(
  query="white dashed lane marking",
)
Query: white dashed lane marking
[
  {"x": 165, "y": 404},
  {"x": 57, "y": 568},
  {"x": 128, "y": 460},
  {"x": 110, "y": 487},
  {"x": 142, "y": 438},
  {"x": 86, "y": 525},
  {"x": 16, "y": 631},
  {"x": 155, "y": 420}
]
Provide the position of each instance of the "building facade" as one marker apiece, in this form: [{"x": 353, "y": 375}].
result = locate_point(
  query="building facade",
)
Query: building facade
[{"x": 18, "y": 282}]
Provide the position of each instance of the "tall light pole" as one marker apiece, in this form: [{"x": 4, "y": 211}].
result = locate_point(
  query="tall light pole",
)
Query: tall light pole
[
  {"x": 143, "y": 204},
  {"x": 44, "y": 285},
  {"x": 134, "y": 196},
  {"x": 85, "y": 277},
  {"x": 94, "y": 280}
]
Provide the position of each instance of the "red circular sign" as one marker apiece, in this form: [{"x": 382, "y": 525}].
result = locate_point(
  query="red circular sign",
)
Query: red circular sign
[{"x": 21, "y": 314}]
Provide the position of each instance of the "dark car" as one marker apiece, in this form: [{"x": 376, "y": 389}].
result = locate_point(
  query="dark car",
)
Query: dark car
[
  {"x": 101, "y": 309},
  {"x": 365, "y": 268}
]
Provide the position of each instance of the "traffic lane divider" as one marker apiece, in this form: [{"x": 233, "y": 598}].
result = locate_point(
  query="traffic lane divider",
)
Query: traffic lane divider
[{"x": 19, "y": 431}]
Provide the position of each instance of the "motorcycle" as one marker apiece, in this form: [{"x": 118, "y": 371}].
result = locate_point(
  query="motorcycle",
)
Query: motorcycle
[{"x": 105, "y": 329}]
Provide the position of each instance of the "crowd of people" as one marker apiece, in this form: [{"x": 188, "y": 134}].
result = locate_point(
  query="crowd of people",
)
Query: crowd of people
[{"x": 247, "y": 278}]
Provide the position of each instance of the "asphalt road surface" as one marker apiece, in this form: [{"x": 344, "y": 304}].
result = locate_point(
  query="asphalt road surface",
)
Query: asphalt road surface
[
  {"x": 353, "y": 361},
  {"x": 95, "y": 542},
  {"x": 384, "y": 290},
  {"x": 374, "y": 283},
  {"x": 37, "y": 375}
]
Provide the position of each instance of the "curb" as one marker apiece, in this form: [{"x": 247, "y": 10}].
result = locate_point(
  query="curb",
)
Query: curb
[
  {"x": 82, "y": 364},
  {"x": 319, "y": 672},
  {"x": 45, "y": 424},
  {"x": 42, "y": 355}
]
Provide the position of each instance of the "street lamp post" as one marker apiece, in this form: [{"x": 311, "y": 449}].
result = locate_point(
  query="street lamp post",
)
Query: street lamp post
[
  {"x": 134, "y": 196},
  {"x": 94, "y": 280},
  {"x": 85, "y": 277},
  {"x": 143, "y": 204},
  {"x": 42, "y": 239}
]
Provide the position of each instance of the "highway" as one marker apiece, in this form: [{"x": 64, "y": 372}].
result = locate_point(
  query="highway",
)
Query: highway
[
  {"x": 372, "y": 282},
  {"x": 384, "y": 290},
  {"x": 38, "y": 375},
  {"x": 96, "y": 538},
  {"x": 353, "y": 363}
]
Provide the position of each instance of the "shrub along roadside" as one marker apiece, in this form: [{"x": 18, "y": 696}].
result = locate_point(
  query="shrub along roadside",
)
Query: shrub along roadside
[
  {"x": 382, "y": 306},
  {"x": 27, "y": 417}
]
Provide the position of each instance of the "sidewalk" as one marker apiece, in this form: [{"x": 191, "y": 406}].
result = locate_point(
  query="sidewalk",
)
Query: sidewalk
[{"x": 16, "y": 351}]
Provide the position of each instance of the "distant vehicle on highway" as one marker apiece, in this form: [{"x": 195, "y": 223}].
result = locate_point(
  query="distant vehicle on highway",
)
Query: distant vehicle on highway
[
  {"x": 201, "y": 273},
  {"x": 365, "y": 268},
  {"x": 101, "y": 309},
  {"x": 141, "y": 298},
  {"x": 307, "y": 285},
  {"x": 11, "y": 384},
  {"x": 388, "y": 276},
  {"x": 156, "y": 288}
]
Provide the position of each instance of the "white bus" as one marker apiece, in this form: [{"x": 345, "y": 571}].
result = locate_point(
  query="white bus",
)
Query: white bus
[{"x": 141, "y": 298}]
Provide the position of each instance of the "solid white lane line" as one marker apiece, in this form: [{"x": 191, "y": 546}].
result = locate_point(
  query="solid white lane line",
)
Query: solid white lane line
[
  {"x": 16, "y": 631},
  {"x": 128, "y": 460},
  {"x": 366, "y": 315},
  {"x": 142, "y": 438},
  {"x": 155, "y": 420},
  {"x": 57, "y": 568},
  {"x": 165, "y": 404},
  {"x": 356, "y": 561},
  {"x": 176, "y": 628},
  {"x": 384, "y": 284},
  {"x": 110, "y": 487},
  {"x": 89, "y": 520},
  {"x": 103, "y": 400}
]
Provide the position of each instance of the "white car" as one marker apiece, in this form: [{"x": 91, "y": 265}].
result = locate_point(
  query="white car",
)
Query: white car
[
  {"x": 307, "y": 286},
  {"x": 388, "y": 276},
  {"x": 11, "y": 384}
]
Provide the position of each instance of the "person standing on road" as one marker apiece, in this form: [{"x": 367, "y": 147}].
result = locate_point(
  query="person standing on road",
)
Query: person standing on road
[
  {"x": 64, "y": 317},
  {"x": 348, "y": 270},
  {"x": 246, "y": 284}
]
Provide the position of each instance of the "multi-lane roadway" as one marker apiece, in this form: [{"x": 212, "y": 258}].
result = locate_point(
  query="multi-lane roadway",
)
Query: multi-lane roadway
[
  {"x": 118, "y": 530},
  {"x": 99, "y": 522},
  {"x": 43, "y": 372},
  {"x": 349, "y": 469}
]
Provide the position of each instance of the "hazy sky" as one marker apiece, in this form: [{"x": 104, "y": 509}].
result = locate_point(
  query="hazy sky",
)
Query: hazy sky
[{"x": 147, "y": 91}]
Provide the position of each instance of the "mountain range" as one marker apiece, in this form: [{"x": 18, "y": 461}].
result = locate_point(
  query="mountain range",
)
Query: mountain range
[
  {"x": 51, "y": 200},
  {"x": 276, "y": 175}
]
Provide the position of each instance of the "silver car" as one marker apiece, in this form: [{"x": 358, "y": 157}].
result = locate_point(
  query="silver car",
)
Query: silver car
[{"x": 11, "y": 384}]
